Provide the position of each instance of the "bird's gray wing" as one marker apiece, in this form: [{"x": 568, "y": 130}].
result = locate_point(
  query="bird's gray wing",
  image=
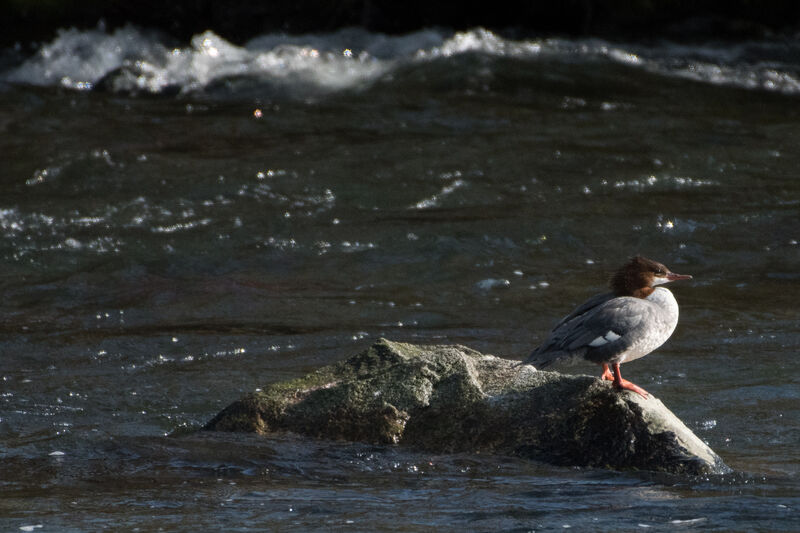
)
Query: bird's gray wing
[
  {"x": 597, "y": 333},
  {"x": 585, "y": 307},
  {"x": 553, "y": 348}
]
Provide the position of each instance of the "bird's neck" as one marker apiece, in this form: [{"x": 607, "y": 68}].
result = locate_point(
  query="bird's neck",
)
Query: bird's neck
[{"x": 643, "y": 292}]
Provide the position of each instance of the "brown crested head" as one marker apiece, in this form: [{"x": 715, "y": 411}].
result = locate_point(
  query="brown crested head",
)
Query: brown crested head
[{"x": 640, "y": 275}]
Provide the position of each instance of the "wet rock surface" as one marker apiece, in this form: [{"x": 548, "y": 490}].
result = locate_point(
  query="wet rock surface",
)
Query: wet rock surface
[{"x": 450, "y": 398}]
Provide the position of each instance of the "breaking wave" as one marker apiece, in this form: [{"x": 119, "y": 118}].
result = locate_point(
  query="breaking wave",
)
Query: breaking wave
[{"x": 134, "y": 60}]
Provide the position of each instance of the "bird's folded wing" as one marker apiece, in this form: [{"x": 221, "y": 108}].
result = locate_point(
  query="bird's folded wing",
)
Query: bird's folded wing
[{"x": 600, "y": 331}]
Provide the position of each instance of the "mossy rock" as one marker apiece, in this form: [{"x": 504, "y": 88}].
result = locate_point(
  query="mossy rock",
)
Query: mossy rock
[{"x": 449, "y": 399}]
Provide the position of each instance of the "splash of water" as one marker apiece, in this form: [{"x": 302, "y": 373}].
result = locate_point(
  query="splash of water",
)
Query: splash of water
[{"x": 131, "y": 60}]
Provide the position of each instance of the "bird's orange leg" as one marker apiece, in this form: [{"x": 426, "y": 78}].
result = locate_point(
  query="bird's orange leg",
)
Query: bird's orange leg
[
  {"x": 607, "y": 375},
  {"x": 625, "y": 384}
]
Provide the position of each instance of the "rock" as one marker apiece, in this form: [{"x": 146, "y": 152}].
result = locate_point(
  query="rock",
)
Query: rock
[{"x": 448, "y": 399}]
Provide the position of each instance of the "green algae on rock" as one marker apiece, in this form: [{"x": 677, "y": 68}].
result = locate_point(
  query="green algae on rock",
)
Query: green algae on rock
[{"x": 449, "y": 398}]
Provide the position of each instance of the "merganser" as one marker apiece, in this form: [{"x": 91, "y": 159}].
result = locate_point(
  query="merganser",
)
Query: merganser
[{"x": 613, "y": 328}]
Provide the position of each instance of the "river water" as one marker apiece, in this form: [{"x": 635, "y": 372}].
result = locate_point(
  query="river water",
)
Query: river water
[{"x": 184, "y": 223}]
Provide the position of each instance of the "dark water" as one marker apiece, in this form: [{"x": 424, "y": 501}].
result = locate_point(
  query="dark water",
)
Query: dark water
[{"x": 183, "y": 225}]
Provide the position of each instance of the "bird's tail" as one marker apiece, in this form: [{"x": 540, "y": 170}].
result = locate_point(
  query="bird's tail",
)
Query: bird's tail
[{"x": 534, "y": 360}]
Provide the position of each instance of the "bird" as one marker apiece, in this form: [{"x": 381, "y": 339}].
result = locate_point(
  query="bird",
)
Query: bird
[{"x": 609, "y": 329}]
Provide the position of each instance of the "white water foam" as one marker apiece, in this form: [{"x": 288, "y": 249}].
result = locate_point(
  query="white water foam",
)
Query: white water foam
[
  {"x": 135, "y": 60},
  {"x": 80, "y": 59}
]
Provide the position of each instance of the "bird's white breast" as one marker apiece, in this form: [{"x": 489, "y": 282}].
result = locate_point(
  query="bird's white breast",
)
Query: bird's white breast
[
  {"x": 660, "y": 326},
  {"x": 664, "y": 299}
]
